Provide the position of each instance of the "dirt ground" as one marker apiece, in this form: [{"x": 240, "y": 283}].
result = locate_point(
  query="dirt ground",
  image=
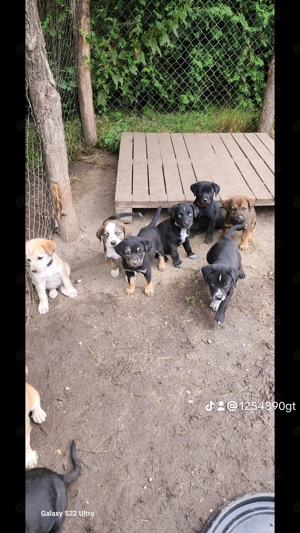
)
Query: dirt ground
[{"x": 129, "y": 377}]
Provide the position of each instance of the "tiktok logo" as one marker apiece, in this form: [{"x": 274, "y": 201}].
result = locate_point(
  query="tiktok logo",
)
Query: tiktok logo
[{"x": 209, "y": 406}]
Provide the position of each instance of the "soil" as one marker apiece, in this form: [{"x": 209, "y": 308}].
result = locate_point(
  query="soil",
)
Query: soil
[{"x": 129, "y": 377}]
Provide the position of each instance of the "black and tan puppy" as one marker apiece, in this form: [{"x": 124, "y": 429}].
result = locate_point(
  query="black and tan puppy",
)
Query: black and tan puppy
[
  {"x": 112, "y": 231},
  {"x": 46, "y": 497},
  {"x": 210, "y": 216},
  {"x": 240, "y": 210},
  {"x": 223, "y": 271},
  {"x": 175, "y": 231},
  {"x": 138, "y": 252}
]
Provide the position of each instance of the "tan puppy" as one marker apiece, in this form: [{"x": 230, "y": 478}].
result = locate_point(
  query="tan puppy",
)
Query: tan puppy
[
  {"x": 32, "y": 406},
  {"x": 48, "y": 271},
  {"x": 112, "y": 232},
  {"x": 240, "y": 210}
]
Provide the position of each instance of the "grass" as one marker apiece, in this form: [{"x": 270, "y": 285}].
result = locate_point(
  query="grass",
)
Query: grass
[{"x": 111, "y": 126}]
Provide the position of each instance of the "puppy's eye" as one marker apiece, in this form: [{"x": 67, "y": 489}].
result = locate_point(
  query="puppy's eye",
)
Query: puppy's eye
[
  {"x": 106, "y": 235},
  {"x": 212, "y": 284},
  {"x": 28, "y": 259},
  {"x": 140, "y": 252},
  {"x": 179, "y": 216},
  {"x": 190, "y": 214},
  {"x": 39, "y": 258},
  {"x": 244, "y": 208},
  {"x": 118, "y": 233},
  {"x": 233, "y": 209}
]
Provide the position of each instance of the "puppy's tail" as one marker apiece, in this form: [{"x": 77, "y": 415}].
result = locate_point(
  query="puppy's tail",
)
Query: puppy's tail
[
  {"x": 155, "y": 218},
  {"x": 228, "y": 233},
  {"x": 120, "y": 215},
  {"x": 71, "y": 476}
]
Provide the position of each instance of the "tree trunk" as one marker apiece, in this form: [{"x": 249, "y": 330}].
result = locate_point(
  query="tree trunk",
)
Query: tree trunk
[
  {"x": 45, "y": 101},
  {"x": 266, "y": 119},
  {"x": 81, "y": 27}
]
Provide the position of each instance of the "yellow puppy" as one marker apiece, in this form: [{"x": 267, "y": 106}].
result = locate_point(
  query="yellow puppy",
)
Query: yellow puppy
[
  {"x": 48, "y": 271},
  {"x": 32, "y": 406}
]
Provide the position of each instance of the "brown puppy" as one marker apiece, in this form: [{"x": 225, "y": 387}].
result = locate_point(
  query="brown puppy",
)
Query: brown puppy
[
  {"x": 240, "y": 210},
  {"x": 32, "y": 406}
]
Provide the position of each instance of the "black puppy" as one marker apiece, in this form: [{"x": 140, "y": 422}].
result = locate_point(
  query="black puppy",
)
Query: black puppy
[
  {"x": 46, "y": 497},
  {"x": 210, "y": 216},
  {"x": 138, "y": 252},
  {"x": 176, "y": 230},
  {"x": 223, "y": 271}
]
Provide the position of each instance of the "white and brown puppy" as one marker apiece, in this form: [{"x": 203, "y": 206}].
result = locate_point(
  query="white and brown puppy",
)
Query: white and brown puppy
[
  {"x": 48, "y": 271},
  {"x": 33, "y": 406},
  {"x": 112, "y": 232}
]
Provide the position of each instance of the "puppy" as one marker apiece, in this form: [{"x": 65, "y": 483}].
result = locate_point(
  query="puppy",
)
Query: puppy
[
  {"x": 46, "y": 497},
  {"x": 176, "y": 230},
  {"x": 48, "y": 271},
  {"x": 240, "y": 210},
  {"x": 112, "y": 232},
  {"x": 210, "y": 216},
  {"x": 138, "y": 252},
  {"x": 223, "y": 271},
  {"x": 32, "y": 406}
]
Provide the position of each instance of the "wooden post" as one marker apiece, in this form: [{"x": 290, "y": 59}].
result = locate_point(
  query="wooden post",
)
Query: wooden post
[
  {"x": 81, "y": 27},
  {"x": 46, "y": 106},
  {"x": 266, "y": 118}
]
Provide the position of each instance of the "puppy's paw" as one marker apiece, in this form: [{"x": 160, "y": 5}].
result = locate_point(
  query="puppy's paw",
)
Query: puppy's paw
[
  {"x": 115, "y": 272},
  {"x": 38, "y": 415},
  {"x": 31, "y": 459},
  {"x": 69, "y": 292},
  {"x": 243, "y": 246},
  {"x": 149, "y": 292},
  {"x": 53, "y": 293},
  {"x": 43, "y": 308},
  {"x": 208, "y": 239},
  {"x": 162, "y": 268},
  {"x": 215, "y": 305},
  {"x": 129, "y": 291},
  {"x": 178, "y": 263},
  {"x": 193, "y": 256}
]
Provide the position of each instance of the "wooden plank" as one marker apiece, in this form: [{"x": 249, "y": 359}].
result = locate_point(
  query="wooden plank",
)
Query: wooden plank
[
  {"x": 140, "y": 186},
  {"x": 170, "y": 169},
  {"x": 123, "y": 194},
  {"x": 237, "y": 184},
  {"x": 157, "y": 187},
  {"x": 200, "y": 169},
  {"x": 268, "y": 141},
  {"x": 261, "y": 150},
  {"x": 186, "y": 171},
  {"x": 266, "y": 175},
  {"x": 258, "y": 189}
]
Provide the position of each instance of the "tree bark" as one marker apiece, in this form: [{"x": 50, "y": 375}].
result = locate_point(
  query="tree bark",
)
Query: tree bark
[
  {"x": 266, "y": 118},
  {"x": 81, "y": 27},
  {"x": 46, "y": 104}
]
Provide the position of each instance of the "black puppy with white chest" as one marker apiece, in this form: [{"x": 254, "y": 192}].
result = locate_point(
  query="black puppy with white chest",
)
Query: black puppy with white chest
[
  {"x": 223, "y": 271},
  {"x": 138, "y": 252},
  {"x": 210, "y": 216},
  {"x": 176, "y": 231},
  {"x": 46, "y": 497}
]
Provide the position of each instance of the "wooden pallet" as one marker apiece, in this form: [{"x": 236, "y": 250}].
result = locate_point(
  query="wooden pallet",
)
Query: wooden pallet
[{"x": 158, "y": 168}]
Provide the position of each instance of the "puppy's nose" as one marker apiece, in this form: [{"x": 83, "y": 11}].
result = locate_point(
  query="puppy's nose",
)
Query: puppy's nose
[
  {"x": 113, "y": 243},
  {"x": 34, "y": 271},
  {"x": 240, "y": 217},
  {"x": 205, "y": 200}
]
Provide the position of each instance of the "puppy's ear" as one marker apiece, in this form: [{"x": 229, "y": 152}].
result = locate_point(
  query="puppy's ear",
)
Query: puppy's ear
[
  {"x": 234, "y": 274},
  {"x": 171, "y": 210},
  {"x": 120, "y": 248},
  {"x": 49, "y": 246},
  {"x": 226, "y": 204},
  {"x": 147, "y": 244},
  {"x": 251, "y": 202},
  {"x": 195, "y": 209},
  {"x": 206, "y": 270},
  {"x": 194, "y": 188},
  {"x": 99, "y": 232},
  {"x": 216, "y": 187}
]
